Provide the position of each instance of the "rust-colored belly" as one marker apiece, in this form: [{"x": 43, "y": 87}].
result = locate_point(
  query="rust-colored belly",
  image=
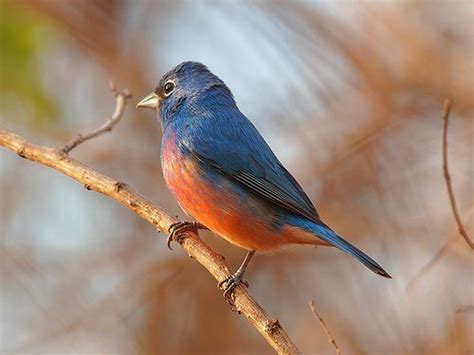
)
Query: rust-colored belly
[{"x": 231, "y": 212}]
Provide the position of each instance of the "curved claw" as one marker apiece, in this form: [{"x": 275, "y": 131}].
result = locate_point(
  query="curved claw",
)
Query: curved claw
[
  {"x": 231, "y": 283},
  {"x": 179, "y": 229}
]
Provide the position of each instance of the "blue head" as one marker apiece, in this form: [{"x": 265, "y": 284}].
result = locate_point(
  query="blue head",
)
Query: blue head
[{"x": 187, "y": 88}]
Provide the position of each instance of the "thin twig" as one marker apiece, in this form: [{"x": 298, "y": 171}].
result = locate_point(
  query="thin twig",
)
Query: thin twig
[
  {"x": 121, "y": 100},
  {"x": 434, "y": 260},
  {"x": 312, "y": 305},
  {"x": 214, "y": 263},
  {"x": 429, "y": 265},
  {"x": 465, "y": 309},
  {"x": 447, "y": 177}
]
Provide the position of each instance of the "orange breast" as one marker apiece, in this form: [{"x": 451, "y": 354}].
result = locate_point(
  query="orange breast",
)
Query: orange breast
[{"x": 232, "y": 213}]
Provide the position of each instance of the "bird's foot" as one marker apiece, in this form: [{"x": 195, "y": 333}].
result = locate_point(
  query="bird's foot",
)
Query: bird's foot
[
  {"x": 178, "y": 231},
  {"x": 231, "y": 283}
]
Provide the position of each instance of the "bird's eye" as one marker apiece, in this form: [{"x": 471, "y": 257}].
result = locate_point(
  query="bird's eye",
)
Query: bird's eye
[{"x": 169, "y": 88}]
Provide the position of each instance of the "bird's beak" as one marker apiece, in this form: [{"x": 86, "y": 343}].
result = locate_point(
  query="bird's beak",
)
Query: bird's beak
[{"x": 150, "y": 101}]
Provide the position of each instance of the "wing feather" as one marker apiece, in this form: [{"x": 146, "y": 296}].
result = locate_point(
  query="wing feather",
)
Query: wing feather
[
  {"x": 225, "y": 140},
  {"x": 266, "y": 189}
]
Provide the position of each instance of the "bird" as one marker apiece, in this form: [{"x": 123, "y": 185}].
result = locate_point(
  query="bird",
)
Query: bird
[{"x": 223, "y": 173}]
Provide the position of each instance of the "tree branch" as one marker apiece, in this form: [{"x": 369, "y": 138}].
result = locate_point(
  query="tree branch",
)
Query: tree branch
[
  {"x": 447, "y": 177},
  {"x": 121, "y": 98},
  {"x": 312, "y": 305},
  {"x": 122, "y": 193}
]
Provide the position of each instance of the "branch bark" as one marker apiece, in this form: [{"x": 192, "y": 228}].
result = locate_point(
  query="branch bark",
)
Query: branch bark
[
  {"x": 447, "y": 176},
  {"x": 56, "y": 159},
  {"x": 312, "y": 305}
]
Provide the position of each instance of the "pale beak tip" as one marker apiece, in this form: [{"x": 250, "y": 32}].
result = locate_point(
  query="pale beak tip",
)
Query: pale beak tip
[{"x": 151, "y": 101}]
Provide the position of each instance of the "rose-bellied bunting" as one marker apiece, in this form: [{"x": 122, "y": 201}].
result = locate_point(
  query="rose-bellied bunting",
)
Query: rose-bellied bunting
[{"x": 224, "y": 174}]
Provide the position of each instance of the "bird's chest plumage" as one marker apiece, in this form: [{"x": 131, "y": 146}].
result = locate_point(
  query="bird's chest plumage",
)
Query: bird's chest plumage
[
  {"x": 178, "y": 170},
  {"x": 188, "y": 182},
  {"x": 215, "y": 201},
  {"x": 191, "y": 185}
]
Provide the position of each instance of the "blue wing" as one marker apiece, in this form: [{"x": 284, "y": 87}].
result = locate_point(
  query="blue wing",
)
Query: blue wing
[{"x": 231, "y": 145}]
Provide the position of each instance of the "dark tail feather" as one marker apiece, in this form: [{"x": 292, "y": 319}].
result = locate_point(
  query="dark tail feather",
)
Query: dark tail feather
[{"x": 328, "y": 235}]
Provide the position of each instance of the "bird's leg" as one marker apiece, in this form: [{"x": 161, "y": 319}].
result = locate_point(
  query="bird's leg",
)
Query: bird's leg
[
  {"x": 178, "y": 229},
  {"x": 234, "y": 280}
]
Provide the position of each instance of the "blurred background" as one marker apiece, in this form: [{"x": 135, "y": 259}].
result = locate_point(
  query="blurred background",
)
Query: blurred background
[{"x": 348, "y": 94}]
